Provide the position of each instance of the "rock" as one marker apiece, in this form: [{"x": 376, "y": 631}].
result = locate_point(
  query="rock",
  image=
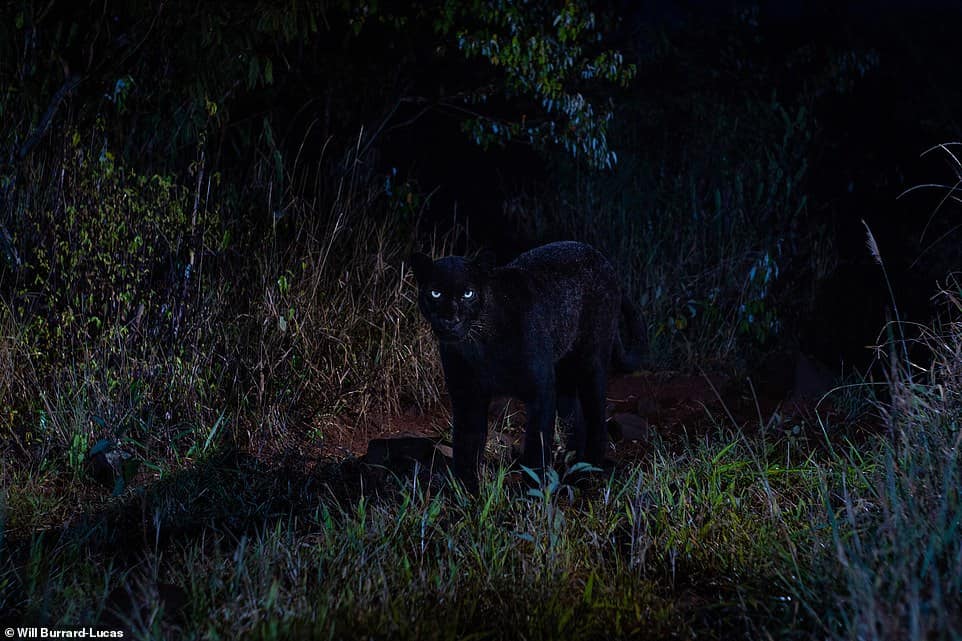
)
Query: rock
[
  {"x": 631, "y": 426},
  {"x": 403, "y": 451},
  {"x": 614, "y": 430},
  {"x": 646, "y": 405},
  {"x": 111, "y": 466},
  {"x": 812, "y": 379}
]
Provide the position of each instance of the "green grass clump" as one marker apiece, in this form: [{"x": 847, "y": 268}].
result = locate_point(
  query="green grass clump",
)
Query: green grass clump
[{"x": 894, "y": 564}]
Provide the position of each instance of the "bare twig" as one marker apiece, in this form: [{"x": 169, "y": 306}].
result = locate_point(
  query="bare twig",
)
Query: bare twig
[{"x": 66, "y": 88}]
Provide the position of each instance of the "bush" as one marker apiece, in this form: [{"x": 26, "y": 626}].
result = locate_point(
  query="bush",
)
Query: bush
[{"x": 138, "y": 314}]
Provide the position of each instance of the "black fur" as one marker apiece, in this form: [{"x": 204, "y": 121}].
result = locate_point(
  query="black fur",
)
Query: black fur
[{"x": 543, "y": 329}]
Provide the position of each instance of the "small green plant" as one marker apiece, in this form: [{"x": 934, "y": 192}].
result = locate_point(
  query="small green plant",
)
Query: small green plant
[
  {"x": 550, "y": 489},
  {"x": 77, "y": 454},
  {"x": 757, "y": 317}
]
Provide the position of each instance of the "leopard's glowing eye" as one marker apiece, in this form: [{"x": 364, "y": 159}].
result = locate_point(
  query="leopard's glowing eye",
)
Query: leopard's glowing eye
[
  {"x": 435, "y": 293},
  {"x": 468, "y": 293}
]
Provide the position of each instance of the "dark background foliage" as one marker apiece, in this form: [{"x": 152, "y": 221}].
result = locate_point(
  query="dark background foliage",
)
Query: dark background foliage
[{"x": 699, "y": 96}]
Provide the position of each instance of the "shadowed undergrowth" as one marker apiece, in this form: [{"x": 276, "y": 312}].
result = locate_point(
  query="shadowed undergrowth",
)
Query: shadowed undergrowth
[
  {"x": 693, "y": 543},
  {"x": 732, "y": 533}
]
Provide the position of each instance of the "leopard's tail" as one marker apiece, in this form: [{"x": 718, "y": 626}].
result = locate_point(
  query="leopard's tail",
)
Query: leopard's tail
[{"x": 625, "y": 360}]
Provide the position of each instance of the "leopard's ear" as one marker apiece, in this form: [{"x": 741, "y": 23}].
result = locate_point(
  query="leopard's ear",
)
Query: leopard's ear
[
  {"x": 422, "y": 265},
  {"x": 485, "y": 261}
]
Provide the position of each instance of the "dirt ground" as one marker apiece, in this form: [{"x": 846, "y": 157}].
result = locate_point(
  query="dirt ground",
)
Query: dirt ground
[{"x": 641, "y": 407}]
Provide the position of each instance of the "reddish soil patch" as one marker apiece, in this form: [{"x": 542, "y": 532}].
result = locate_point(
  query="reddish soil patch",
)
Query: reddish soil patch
[
  {"x": 666, "y": 400},
  {"x": 642, "y": 404},
  {"x": 669, "y": 408},
  {"x": 782, "y": 395}
]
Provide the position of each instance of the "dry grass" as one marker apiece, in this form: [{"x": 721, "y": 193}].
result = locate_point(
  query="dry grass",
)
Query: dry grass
[{"x": 258, "y": 340}]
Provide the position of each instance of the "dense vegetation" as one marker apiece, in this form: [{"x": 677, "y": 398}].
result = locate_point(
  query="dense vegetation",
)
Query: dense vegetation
[{"x": 204, "y": 307}]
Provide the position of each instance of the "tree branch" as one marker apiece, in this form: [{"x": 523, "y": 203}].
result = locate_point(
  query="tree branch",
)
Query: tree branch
[{"x": 67, "y": 87}]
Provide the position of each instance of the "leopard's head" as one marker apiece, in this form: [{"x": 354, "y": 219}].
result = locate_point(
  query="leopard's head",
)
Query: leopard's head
[{"x": 451, "y": 293}]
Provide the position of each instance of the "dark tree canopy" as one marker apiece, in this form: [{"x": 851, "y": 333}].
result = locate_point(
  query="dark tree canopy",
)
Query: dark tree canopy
[{"x": 164, "y": 75}]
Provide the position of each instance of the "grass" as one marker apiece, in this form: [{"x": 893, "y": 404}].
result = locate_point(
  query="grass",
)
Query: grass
[
  {"x": 895, "y": 530},
  {"x": 683, "y": 545},
  {"x": 260, "y": 338},
  {"x": 714, "y": 536}
]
